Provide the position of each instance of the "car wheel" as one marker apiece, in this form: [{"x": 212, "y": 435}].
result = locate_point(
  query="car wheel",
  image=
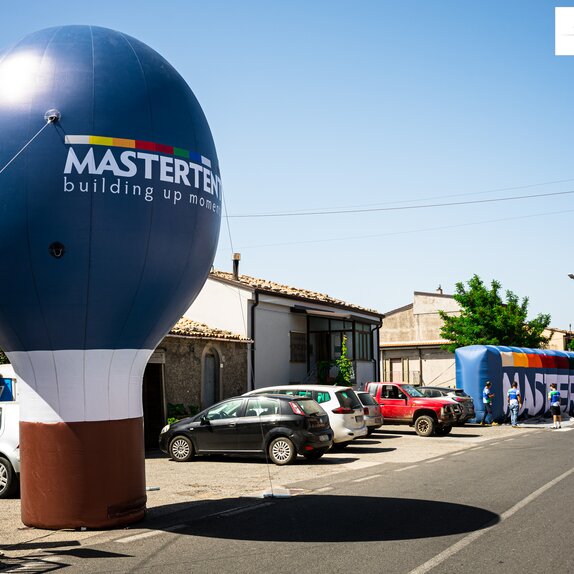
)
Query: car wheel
[
  {"x": 181, "y": 449},
  {"x": 282, "y": 451},
  {"x": 314, "y": 454},
  {"x": 8, "y": 481},
  {"x": 442, "y": 431},
  {"x": 425, "y": 426},
  {"x": 370, "y": 432}
]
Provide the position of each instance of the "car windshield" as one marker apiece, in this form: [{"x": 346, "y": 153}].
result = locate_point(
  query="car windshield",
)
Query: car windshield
[
  {"x": 310, "y": 407},
  {"x": 413, "y": 391},
  {"x": 460, "y": 393},
  {"x": 348, "y": 399},
  {"x": 366, "y": 399}
]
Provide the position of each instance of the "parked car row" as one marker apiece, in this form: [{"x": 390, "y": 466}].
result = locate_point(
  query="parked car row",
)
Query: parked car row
[
  {"x": 284, "y": 421},
  {"x": 276, "y": 422}
]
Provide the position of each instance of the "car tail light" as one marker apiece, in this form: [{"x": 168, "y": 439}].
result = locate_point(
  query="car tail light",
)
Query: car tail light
[
  {"x": 366, "y": 410},
  {"x": 458, "y": 399},
  {"x": 296, "y": 408},
  {"x": 343, "y": 411}
]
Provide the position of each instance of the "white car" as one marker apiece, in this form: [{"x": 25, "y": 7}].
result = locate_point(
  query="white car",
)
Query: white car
[
  {"x": 9, "y": 448},
  {"x": 346, "y": 414}
]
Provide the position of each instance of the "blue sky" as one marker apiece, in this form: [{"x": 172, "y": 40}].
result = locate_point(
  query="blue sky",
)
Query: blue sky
[{"x": 370, "y": 105}]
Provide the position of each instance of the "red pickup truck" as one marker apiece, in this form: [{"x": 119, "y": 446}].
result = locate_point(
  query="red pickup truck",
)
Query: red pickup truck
[{"x": 402, "y": 403}]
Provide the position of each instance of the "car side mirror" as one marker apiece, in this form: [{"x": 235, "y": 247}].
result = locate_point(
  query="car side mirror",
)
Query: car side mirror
[{"x": 204, "y": 420}]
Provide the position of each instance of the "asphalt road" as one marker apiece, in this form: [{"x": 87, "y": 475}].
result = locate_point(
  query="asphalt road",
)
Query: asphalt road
[{"x": 493, "y": 500}]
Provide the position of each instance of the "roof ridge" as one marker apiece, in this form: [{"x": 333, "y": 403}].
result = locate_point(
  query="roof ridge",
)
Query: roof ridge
[{"x": 274, "y": 287}]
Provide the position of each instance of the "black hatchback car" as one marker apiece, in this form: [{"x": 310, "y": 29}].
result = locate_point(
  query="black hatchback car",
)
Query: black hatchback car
[{"x": 277, "y": 426}]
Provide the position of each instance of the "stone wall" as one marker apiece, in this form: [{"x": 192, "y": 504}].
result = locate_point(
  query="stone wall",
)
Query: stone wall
[{"x": 184, "y": 364}]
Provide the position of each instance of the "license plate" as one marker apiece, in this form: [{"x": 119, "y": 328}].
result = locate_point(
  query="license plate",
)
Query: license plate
[
  {"x": 359, "y": 419},
  {"x": 378, "y": 420},
  {"x": 324, "y": 438}
]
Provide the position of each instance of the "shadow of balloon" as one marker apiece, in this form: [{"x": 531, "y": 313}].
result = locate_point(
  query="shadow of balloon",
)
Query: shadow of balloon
[{"x": 313, "y": 518}]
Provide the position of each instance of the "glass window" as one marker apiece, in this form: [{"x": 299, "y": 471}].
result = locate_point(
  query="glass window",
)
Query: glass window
[
  {"x": 390, "y": 392},
  {"x": 366, "y": 399},
  {"x": 364, "y": 346},
  {"x": 318, "y": 324},
  {"x": 322, "y": 396},
  {"x": 414, "y": 392},
  {"x": 311, "y": 408},
  {"x": 325, "y": 339},
  {"x": 262, "y": 406},
  {"x": 348, "y": 399},
  {"x": 298, "y": 343},
  {"x": 226, "y": 410},
  {"x": 320, "y": 346}
]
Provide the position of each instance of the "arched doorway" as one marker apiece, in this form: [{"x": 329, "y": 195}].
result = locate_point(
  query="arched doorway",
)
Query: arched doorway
[{"x": 210, "y": 392}]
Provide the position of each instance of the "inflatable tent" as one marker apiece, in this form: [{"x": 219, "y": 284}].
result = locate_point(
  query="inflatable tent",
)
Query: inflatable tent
[{"x": 533, "y": 369}]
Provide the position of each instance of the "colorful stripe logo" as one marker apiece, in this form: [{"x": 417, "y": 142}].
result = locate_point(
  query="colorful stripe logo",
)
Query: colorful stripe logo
[{"x": 138, "y": 145}]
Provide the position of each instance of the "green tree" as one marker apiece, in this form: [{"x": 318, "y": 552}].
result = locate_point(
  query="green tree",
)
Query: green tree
[
  {"x": 486, "y": 319},
  {"x": 345, "y": 373},
  {"x": 3, "y": 358}
]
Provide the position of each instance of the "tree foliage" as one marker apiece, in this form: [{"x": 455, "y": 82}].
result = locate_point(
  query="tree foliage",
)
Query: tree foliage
[{"x": 486, "y": 319}]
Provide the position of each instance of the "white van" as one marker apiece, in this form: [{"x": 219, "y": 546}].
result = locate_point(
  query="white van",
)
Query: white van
[{"x": 346, "y": 413}]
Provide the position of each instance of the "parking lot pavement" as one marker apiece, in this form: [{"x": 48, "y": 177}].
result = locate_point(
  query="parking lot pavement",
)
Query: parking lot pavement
[{"x": 174, "y": 486}]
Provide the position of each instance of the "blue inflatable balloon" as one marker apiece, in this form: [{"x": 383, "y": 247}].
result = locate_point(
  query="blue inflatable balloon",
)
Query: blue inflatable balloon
[{"x": 110, "y": 197}]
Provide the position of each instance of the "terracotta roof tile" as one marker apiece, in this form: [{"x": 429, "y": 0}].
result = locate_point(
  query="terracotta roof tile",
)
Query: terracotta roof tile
[
  {"x": 272, "y": 287},
  {"x": 188, "y": 328}
]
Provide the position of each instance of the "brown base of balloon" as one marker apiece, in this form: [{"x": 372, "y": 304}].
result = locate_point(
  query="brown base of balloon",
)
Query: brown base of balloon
[{"x": 82, "y": 474}]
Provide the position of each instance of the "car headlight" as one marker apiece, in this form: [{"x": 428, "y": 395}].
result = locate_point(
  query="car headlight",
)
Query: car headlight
[{"x": 164, "y": 429}]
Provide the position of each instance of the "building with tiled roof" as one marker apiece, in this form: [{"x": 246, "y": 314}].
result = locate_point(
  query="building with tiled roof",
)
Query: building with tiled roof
[
  {"x": 292, "y": 292},
  {"x": 188, "y": 328},
  {"x": 297, "y": 333},
  {"x": 194, "y": 366}
]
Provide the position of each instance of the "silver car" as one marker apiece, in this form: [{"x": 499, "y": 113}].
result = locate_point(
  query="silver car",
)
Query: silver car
[
  {"x": 9, "y": 449},
  {"x": 373, "y": 415},
  {"x": 458, "y": 395}
]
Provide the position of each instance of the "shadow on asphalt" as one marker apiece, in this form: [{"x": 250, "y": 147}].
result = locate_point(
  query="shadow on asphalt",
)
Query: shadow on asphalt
[
  {"x": 411, "y": 432},
  {"x": 313, "y": 518},
  {"x": 42, "y": 564},
  {"x": 330, "y": 457},
  {"x": 362, "y": 448}
]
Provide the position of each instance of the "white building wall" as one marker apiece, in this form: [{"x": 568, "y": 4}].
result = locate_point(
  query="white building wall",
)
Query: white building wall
[
  {"x": 222, "y": 306},
  {"x": 272, "y": 326}
]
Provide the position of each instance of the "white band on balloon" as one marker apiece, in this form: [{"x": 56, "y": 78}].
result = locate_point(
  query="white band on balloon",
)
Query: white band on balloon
[{"x": 80, "y": 385}]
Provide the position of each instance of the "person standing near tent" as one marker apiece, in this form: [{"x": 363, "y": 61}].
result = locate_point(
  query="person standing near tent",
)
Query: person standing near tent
[
  {"x": 514, "y": 401},
  {"x": 554, "y": 400},
  {"x": 487, "y": 396}
]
